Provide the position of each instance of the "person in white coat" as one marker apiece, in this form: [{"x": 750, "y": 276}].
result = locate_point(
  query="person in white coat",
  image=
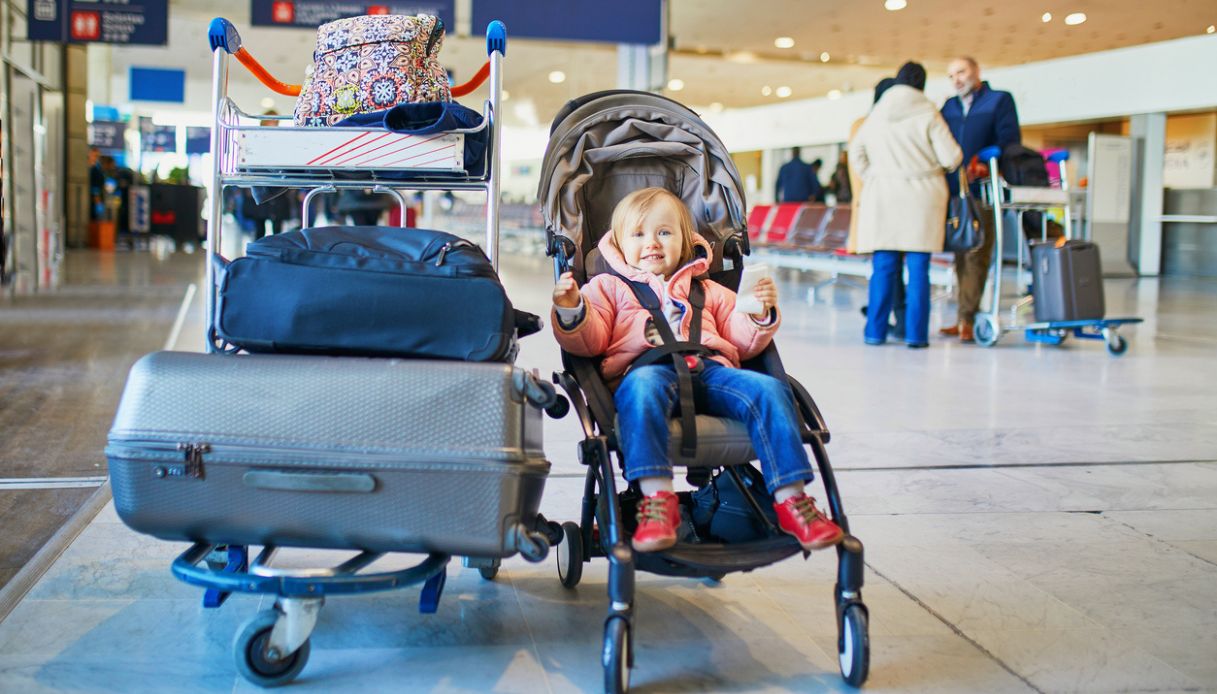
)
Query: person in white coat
[{"x": 901, "y": 152}]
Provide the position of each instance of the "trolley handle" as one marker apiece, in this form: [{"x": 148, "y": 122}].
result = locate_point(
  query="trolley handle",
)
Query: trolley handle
[
  {"x": 223, "y": 34},
  {"x": 990, "y": 153}
]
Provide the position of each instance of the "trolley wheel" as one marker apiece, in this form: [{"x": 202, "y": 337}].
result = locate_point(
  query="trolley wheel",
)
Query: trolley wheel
[
  {"x": 855, "y": 645},
  {"x": 1116, "y": 345},
  {"x": 489, "y": 572},
  {"x": 616, "y": 656},
  {"x": 254, "y": 664},
  {"x": 985, "y": 330},
  {"x": 570, "y": 555}
]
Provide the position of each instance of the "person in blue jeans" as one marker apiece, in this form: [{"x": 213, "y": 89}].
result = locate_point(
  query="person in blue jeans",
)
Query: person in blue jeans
[
  {"x": 901, "y": 152},
  {"x": 653, "y": 241}
]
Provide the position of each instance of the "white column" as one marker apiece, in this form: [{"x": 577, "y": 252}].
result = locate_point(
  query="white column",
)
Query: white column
[{"x": 1149, "y": 133}]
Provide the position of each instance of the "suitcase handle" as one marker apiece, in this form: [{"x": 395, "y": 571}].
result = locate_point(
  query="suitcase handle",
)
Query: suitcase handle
[{"x": 340, "y": 482}]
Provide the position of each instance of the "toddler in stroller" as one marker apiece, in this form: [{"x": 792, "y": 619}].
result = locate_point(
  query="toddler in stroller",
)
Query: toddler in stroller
[
  {"x": 656, "y": 174},
  {"x": 652, "y": 243}
]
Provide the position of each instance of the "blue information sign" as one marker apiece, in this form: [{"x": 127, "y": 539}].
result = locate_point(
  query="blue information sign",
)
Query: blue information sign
[
  {"x": 313, "y": 13},
  {"x": 111, "y": 21},
  {"x": 198, "y": 140},
  {"x": 157, "y": 138},
  {"x": 107, "y": 135},
  {"x": 622, "y": 21}
]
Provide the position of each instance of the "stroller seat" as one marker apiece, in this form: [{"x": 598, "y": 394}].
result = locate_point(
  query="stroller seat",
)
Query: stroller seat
[{"x": 720, "y": 443}]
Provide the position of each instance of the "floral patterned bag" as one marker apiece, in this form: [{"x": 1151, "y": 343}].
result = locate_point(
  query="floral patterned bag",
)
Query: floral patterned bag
[{"x": 372, "y": 63}]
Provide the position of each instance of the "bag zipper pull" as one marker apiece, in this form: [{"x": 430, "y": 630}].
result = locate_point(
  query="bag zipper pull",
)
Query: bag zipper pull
[
  {"x": 193, "y": 453},
  {"x": 443, "y": 252}
]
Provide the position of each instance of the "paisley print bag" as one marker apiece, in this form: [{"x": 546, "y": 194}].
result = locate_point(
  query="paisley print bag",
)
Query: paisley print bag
[{"x": 372, "y": 63}]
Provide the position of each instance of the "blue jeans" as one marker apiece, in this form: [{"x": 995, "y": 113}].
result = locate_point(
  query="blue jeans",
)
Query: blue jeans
[
  {"x": 884, "y": 277},
  {"x": 648, "y": 396}
]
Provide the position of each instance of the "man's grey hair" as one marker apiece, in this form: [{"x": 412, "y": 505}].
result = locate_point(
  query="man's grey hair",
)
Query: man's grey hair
[{"x": 969, "y": 60}]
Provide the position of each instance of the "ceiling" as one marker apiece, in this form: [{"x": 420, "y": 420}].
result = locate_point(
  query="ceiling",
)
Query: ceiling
[{"x": 723, "y": 50}]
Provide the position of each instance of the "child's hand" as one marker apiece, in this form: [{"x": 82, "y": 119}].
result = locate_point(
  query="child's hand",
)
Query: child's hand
[
  {"x": 566, "y": 292},
  {"x": 766, "y": 292}
]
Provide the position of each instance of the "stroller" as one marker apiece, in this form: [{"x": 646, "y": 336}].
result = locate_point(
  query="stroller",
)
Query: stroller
[{"x": 602, "y": 147}]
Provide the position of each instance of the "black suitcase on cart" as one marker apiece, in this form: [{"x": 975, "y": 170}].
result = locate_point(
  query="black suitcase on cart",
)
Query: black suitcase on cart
[{"x": 1067, "y": 281}]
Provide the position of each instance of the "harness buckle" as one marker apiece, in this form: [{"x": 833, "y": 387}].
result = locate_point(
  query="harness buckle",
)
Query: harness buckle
[{"x": 693, "y": 362}]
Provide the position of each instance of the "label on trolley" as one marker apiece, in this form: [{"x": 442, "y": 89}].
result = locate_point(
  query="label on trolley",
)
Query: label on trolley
[{"x": 348, "y": 149}]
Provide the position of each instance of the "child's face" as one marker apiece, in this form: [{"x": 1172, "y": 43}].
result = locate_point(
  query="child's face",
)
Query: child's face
[{"x": 655, "y": 244}]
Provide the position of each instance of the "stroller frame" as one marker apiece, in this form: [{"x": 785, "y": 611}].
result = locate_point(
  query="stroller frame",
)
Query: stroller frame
[{"x": 592, "y": 403}]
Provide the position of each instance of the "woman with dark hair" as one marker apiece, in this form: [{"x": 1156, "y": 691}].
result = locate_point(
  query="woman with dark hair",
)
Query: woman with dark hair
[{"x": 901, "y": 152}]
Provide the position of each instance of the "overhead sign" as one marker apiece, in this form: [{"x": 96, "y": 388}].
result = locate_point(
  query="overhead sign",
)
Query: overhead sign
[
  {"x": 144, "y": 22},
  {"x": 107, "y": 135},
  {"x": 198, "y": 140},
  {"x": 313, "y": 13},
  {"x": 156, "y": 138},
  {"x": 622, "y": 21},
  {"x": 157, "y": 84}
]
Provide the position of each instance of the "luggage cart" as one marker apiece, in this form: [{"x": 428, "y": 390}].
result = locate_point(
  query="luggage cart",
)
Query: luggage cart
[
  {"x": 272, "y": 648},
  {"x": 988, "y": 326}
]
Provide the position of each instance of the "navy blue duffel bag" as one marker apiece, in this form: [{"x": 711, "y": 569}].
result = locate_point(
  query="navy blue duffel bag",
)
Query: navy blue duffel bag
[{"x": 370, "y": 291}]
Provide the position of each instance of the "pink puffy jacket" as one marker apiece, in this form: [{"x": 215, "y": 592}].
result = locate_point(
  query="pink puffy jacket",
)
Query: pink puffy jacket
[{"x": 614, "y": 323}]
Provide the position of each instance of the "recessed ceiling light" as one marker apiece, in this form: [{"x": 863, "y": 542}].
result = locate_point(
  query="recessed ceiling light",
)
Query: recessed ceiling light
[
  {"x": 743, "y": 57},
  {"x": 1075, "y": 19},
  {"x": 1211, "y": 29},
  {"x": 783, "y": 92},
  {"x": 1047, "y": 17},
  {"x": 676, "y": 84},
  {"x": 766, "y": 90},
  {"x": 825, "y": 57},
  {"x": 783, "y": 42},
  {"x": 834, "y": 94},
  {"x": 557, "y": 77},
  {"x": 893, "y": 5},
  {"x": 268, "y": 102}
]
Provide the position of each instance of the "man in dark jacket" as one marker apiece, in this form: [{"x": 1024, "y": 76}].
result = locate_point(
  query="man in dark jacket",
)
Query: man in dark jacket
[
  {"x": 978, "y": 117},
  {"x": 797, "y": 180}
]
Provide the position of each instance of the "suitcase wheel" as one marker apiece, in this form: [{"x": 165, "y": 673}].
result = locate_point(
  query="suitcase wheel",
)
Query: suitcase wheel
[{"x": 1116, "y": 345}]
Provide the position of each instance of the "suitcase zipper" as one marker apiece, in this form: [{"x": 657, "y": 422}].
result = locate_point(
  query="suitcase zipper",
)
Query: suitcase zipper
[{"x": 451, "y": 245}]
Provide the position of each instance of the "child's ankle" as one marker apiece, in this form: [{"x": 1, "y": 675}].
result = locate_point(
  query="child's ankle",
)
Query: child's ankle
[
  {"x": 789, "y": 491},
  {"x": 651, "y": 486}
]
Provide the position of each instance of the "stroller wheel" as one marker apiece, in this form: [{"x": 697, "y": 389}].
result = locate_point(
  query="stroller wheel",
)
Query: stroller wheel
[
  {"x": 616, "y": 656},
  {"x": 570, "y": 555},
  {"x": 854, "y": 645}
]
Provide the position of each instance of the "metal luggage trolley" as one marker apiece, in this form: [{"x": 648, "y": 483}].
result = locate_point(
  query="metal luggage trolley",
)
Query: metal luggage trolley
[
  {"x": 272, "y": 648},
  {"x": 988, "y": 325}
]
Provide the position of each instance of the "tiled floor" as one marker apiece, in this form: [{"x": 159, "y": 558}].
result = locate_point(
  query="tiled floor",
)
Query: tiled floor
[{"x": 1035, "y": 518}]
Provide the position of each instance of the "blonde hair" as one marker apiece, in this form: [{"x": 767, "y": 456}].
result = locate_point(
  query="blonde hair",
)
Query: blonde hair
[{"x": 629, "y": 212}]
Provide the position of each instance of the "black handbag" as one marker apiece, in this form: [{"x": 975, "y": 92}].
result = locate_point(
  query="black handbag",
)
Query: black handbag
[{"x": 964, "y": 229}]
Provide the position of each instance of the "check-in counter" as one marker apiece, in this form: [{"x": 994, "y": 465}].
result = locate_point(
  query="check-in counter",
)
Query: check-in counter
[{"x": 1189, "y": 233}]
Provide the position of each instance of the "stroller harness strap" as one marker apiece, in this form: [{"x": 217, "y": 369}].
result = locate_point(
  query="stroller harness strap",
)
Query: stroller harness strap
[{"x": 687, "y": 375}]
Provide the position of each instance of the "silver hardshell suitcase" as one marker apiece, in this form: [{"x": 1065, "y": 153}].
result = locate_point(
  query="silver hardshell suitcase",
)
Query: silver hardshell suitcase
[{"x": 328, "y": 452}]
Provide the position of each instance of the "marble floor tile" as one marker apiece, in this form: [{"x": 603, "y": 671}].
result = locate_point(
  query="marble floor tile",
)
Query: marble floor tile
[
  {"x": 1171, "y": 525},
  {"x": 1133, "y": 585},
  {"x": 1202, "y": 549},
  {"x": 979, "y": 528},
  {"x": 472, "y": 669},
  {"x": 971, "y": 591},
  {"x": 120, "y": 645},
  {"x": 1081, "y": 660},
  {"x": 1190, "y": 650}
]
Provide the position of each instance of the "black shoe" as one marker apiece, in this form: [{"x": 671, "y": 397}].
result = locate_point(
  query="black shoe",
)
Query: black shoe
[{"x": 917, "y": 345}]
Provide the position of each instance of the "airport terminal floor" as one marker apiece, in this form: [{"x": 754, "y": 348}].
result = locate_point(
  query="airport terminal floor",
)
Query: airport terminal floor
[{"x": 1036, "y": 518}]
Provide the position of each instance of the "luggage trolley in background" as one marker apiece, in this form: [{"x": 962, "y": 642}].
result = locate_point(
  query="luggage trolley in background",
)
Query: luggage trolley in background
[
  {"x": 272, "y": 648},
  {"x": 988, "y": 325}
]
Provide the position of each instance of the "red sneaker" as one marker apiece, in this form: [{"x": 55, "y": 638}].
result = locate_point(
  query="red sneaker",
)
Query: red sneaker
[
  {"x": 799, "y": 516},
  {"x": 658, "y": 517}
]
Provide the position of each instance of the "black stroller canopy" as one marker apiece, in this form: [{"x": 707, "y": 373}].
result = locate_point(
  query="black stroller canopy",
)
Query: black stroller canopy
[{"x": 606, "y": 145}]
